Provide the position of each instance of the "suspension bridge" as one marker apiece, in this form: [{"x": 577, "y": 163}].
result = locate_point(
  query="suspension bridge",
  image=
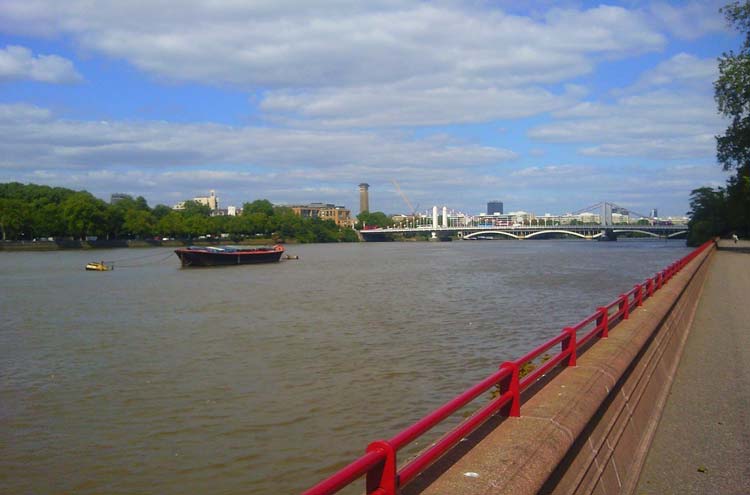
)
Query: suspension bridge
[{"x": 599, "y": 225}]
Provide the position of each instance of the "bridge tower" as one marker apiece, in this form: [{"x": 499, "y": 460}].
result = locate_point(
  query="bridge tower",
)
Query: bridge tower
[
  {"x": 606, "y": 223},
  {"x": 606, "y": 218},
  {"x": 433, "y": 234}
]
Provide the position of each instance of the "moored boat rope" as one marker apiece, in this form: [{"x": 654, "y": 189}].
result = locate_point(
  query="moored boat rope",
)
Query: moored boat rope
[
  {"x": 135, "y": 258},
  {"x": 150, "y": 262}
]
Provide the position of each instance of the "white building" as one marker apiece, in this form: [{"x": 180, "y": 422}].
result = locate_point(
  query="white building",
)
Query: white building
[{"x": 212, "y": 201}]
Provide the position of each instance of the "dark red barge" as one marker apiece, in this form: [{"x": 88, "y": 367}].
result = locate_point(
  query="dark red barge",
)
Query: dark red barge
[{"x": 228, "y": 255}]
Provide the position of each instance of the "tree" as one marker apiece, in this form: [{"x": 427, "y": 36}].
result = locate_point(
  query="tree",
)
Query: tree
[
  {"x": 287, "y": 224},
  {"x": 47, "y": 220},
  {"x": 139, "y": 222},
  {"x": 172, "y": 225},
  {"x": 29, "y": 210},
  {"x": 195, "y": 225},
  {"x": 376, "y": 219},
  {"x": 161, "y": 211},
  {"x": 13, "y": 215},
  {"x": 141, "y": 204},
  {"x": 732, "y": 95},
  {"x": 258, "y": 206},
  {"x": 255, "y": 223},
  {"x": 193, "y": 208},
  {"x": 348, "y": 235},
  {"x": 708, "y": 214},
  {"x": 84, "y": 214}
]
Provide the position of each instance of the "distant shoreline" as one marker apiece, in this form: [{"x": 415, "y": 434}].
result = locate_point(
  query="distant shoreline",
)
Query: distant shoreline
[{"x": 68, "y": 244}]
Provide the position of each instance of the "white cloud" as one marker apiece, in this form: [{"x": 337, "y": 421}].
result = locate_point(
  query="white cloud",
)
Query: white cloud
[
  {"x": 553, "y": 173},
  {"x": 21, "y": 113},
  {"x": 657, "y": 126},
  {"x": 326, "y": 73},
  {"x": 690, "y": 20},
  {"x": 681, "y": 70},
  {"x": 605, "y": 29},
  {"x": 18, "y": 62},
  {"x": 569, "y": 187},
  {"x": 390, "y": 62},
  {"x": 669, "y": 113},
  {"x": 386, "y": 106},
  {"x": 322, "y": 44},
  {"x": 343, "y": 62},
  {"x": 34, "y": 141}
]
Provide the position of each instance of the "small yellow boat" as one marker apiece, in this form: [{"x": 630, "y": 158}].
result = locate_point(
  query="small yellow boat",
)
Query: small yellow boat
[{"x": 98, "y": 266}]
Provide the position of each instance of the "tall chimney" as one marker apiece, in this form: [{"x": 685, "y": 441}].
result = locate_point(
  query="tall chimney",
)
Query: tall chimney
[{"x": 364, "y": 198}]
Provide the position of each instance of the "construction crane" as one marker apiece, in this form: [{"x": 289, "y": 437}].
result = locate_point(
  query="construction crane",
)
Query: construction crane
[{"x": 403, "y": 196}]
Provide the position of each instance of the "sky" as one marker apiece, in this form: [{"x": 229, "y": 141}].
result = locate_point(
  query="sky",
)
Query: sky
[{"x": 548, "y": 106}]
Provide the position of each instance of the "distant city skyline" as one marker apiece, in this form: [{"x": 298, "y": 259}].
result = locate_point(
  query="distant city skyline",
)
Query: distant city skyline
[
  {"x": 460, "y": 103},
  {"x": 402, "y": 211},
  {"x": 212, "y": 201}
]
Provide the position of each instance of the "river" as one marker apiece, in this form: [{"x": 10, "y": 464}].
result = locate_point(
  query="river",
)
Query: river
[{"x": 263, "y": 379}]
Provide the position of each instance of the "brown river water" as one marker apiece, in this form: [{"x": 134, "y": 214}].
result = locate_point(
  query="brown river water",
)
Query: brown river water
[{"x": 153, "y": 379}]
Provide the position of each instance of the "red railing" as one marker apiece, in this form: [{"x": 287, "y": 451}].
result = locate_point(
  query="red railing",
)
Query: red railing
[{"x": 379, "y": 462}]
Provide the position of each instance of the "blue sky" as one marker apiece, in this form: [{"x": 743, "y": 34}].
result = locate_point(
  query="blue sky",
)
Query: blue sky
[{"x": 547, "y": 106}]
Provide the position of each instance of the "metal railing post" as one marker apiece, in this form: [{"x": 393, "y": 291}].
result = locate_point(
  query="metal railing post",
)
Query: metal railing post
[
  {"x": 382, "y": 480},
  {"x": 624, "y": 306},
  {"x": 569, "y": 345},
  {"x": 639, "y": 295},
  {"x": 602, "y": 321},
  {"x": 511, "y": 384}
]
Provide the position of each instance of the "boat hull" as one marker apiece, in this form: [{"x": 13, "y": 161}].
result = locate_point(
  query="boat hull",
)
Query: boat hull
[
  {"x": 197, "y": 258},
  {"x": 98, "y": 267}
]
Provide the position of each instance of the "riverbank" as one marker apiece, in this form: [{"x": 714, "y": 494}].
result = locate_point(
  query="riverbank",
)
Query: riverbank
[
  {"x": 60, "y": 244},
  {"x": 69, "y": 244}
]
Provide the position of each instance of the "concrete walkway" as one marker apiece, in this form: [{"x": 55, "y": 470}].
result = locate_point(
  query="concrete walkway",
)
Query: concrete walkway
[{"x": 702, "y": 443}]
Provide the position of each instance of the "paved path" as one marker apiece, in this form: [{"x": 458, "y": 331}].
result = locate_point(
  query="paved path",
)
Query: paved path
[{"x": 702, "y": 444}]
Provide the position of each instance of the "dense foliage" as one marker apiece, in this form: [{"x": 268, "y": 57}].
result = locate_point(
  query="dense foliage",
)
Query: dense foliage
[
  {"x": 33, "y": 211},
  {"x": 727, "y": 210},
  {"x": 374, "y": 219}
]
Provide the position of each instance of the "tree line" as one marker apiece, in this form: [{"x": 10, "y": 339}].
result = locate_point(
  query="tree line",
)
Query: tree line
[
  {"x": 30, "y": 211},
  {"x": 726, "y": 210}
]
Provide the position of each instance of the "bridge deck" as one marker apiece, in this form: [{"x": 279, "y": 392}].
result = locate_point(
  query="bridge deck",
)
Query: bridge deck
[
  {"x": 702, "y": 443},
  {"x": 588, "y": 231}
]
